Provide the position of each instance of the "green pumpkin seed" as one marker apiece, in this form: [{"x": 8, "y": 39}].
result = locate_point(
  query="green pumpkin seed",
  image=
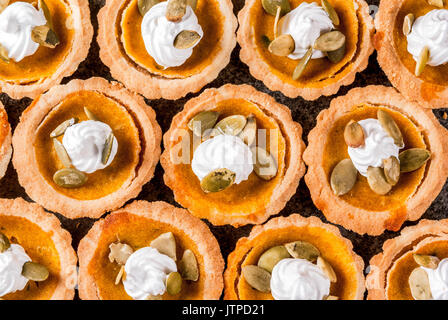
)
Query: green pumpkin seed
[
  {"x": 330, "y": 41},
  {"x": 302, "y": 64},
  {"x": 165, "y": 244},
  {"x": 271, "y": 257},
  {"x": 413, "y": 159},
  {"x": 390, "y": 126},
  {"x": 62, "y": 153},
  {"x": 326, "y": 268},
  {"x": 203, "y": 121},
  {"x": 188, "y": 266},
  {"x": 186, "y": 39},
  {"x": 265, "y": 40},
  {"x": 391, "y": 170},
  {"x": 249, "y": 132},
  {"x": 303, "y": 250},
  {"x": 423, "y": 59},
  {"x": 60, "y": 129},
  {"x": 436, "y": 3},
  {"x": 337, "y": 55},
  {"x": 331, "y": 12},
  {"x": 407, "y": 24},
  {"x": 35, "y": 271},
  {"x": 377, "y": 181},
  {"x": 4, "y": 56},
  {"x": 343, "y": 177},
  {"x": 69, "y": 178},
  {"x": 145, "y": 5},
  {"x": 151, "y": 297},
  {"x": 426, "y": 261},
  {"x": 270, "y": 6},
  {"x": 232, "y": 125},
  {"x": 107, "y": 150},
  {"x": 120, "y": 252},
  {"x": 419, "y": 284},
  {"x": 218, "y": 180},
  {"x": 173, "y": 283},
  {"x": 265, "y": 166},
  {"x": 3, "y": 4},
  {"x": 193, "y": 4},
  {"x": 282, "y": 46},
  {"x": 44, "y": 36},
  {"x": 175, "y": 10},
  {"x": 90, "y": 115},
  {"x": 354, "y": 134},
  {"x": 257, "y": 278},
  {"x": 4, "y": 243}
]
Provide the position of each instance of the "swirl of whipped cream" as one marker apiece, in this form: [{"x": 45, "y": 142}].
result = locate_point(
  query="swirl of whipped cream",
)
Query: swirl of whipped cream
[
  {"x": 377, "y": 147},
  {"x": 85, "y": 142},
  {"x": 146, "y": 272},
  {"x": 16, "y": 23},
  {"x": 158, "y": 35},
  {"x": 11, "y": 263},
  {"x": 223, "y": 151},
  {"x": 298, "y": 279},
  {"x": 438, "y": 280},
  {"x": 430, "y": 30},
  {"x": 305, "y": 24}
]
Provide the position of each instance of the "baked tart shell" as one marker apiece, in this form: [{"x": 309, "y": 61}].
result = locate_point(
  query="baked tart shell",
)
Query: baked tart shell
[{"x": 5, "y": 141}]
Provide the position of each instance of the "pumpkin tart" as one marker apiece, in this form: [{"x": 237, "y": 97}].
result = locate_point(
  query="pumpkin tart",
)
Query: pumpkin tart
[{"x": 5, "y": 141}]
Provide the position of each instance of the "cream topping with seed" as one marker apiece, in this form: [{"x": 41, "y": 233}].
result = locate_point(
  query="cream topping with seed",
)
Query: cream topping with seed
[
  {"x": 438, "y": 280},
  {"x": 11, "y": 263}
]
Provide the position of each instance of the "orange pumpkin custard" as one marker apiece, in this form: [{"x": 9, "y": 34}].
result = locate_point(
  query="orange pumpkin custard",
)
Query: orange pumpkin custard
[
  {"x": 41, "y": 42},
  {"x": 233, "y": 156},
  {"x": 5, "y": 141},
  {"x": 375, "y": 160},
  {"x": 306, "y": 48},
  {"x": 150, "y": 251},
  {"x": 412, "y": 266},
  {"x": 294, "y": 258},
  {"x": 36, "y": 256},
  {"x": 411, "y": 41},
  {"x": 86, "y": 147},
  {"x": 166, "y": 49}
]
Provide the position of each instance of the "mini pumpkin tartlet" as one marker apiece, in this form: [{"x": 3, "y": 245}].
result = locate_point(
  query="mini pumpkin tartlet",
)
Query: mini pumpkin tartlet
[
  {"x": 41, "y": 42},
  {"x": 401, "y": 159},
  {"x": 412, "y": 266},
  {"x": 294, "y": 258},
  {"x": 5, "y": 141},
  {"x": 243, "y": 161},
  {"x": 172, "y": 57},
  {"x": 87, "y": 147},
  {"x": 150, "y": 250},
  {"x": 279, "y": 50},
  {"x": 411, "y": 42},
  {"x": 37, "y": 259}
]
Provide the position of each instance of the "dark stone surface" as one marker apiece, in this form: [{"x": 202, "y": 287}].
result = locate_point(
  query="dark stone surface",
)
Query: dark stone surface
[{"x": 304, "y": 112}]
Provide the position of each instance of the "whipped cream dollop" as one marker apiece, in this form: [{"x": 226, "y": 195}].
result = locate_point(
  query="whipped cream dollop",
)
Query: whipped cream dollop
[
  {"x": 146, "y": 272},
  {"x": 84, "y": 143},
  {"x": 16, "y": 23},
  {"x": 438, "y": 280},
  {"x": 378, "y": 146},
  {"x": 158, "y": 35},
  {"x": 223, "y": 151},
  {"x": 305, "y": 24},
  {"x": 11, "y": 263},
  {"x": 430, "y": 30},
  {"x": 298, "y": 279}
]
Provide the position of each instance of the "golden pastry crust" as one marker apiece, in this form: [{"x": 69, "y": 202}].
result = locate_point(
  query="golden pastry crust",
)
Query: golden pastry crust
[
  {"x": 153, "y": 86},
  {"x": 393, "y": 249},
  {"x": 244, "y": 245},
  {"x": 83, "y": 34},
  {"x": 5, "y": 141},
  {"x": 359, "y": 220},
  {"x": 65, "y": 289},
  {"x": 290, "y": 129},
  {"x": 261, "y": 70},
  {"x": 177, "y": 218},
  {"x": 411, "y": 86},
  {"x": 27, "y": 168}
]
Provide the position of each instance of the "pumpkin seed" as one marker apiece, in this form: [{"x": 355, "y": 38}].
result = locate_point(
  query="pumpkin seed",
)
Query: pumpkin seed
[
  {"x": 249, "y": 132},
  {"x": 186, "y": 39},
  {"x": 175, "y": 10},
  {"x": 257, "y": 278},
  {"x": 265, "y": 40},
  {"x": 4, "y": 56},
  {"x": 151, "y": 297},
  {"x": 331, "y": 298},
  {"x": 107, "y": 150},
  {"x": 218, "y": 180},
  {"x": 436, "y": 3},
  {"x": 303, "y": 250},
  {"x": 302, "y": 64},
  {"x": 282, "y": 46},
  {"x": 337, "y": 55},
  {"x": 331, "y": 12},
  {"x": 90, "y": 115},
  {"x": 391, "y": 170},
  {"x": 419, "y": 284},
  {"x": 423, "y": 59},
  {"x": 326, "y": 268},
  {"x": 264, "y": 164},
  {"x": 377, "y": 181},
  {"x": 277, "y": 18},
  {"x": 330, "y": 41},
  {"x": 193, "y": 4},
  {"x": 120, "y": 252},
  {"x": 69, "y": 178},
  {"x": 272, "y": 256},
  {"x": 407, "y": 24},
  {"x": 270, "y": 6},
  {"x": 173, "y": 283},
  {"x": 203, "y": 121},
  {"x": 232, "y": 125},
  {"x": 413, "y": 159},
  {"x": 3, "y": 4},
  {"x": 62, "y": 153},
  {"x": 354, "y": 134},
  {"x": 165, "y": 244},
  {"x": 390, "y": 126},
  {"x": 145, "y": 5},
  {"x": 426, "y": 261},
  {"x": 60, "y": 129},
  {"x": 44, "y": 36},
  {"x": 34, "y": 271},
  {"x": 43, "y": 6},
  {"x": 343, "y": 177},
  {"x": 188, "y": 266},
  {"x": 119, "y": 276},
  {"x": 4, "y": 243}
]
